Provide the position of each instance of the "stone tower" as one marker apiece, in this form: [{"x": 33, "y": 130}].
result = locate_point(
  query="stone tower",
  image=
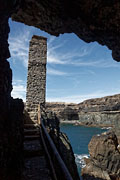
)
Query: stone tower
[{"x": 36, "y": 80}]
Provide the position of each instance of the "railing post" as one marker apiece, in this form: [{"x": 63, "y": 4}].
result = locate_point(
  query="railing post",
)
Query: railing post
[{"x": 39, "y": 115}]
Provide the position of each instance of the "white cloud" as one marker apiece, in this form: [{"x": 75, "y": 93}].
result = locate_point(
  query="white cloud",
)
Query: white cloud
[
  {"x": 19, "y": 46},
  {"x": 76, "y": 57},
  {"x": 63, "y": 58},
  {"x": 80, "y": 98},
  {"x": 19, "y": 89},
  {"x": 53, "y": 59},
  {"x": 52, "y": 71},
  {"x": 100, "y": 63}
]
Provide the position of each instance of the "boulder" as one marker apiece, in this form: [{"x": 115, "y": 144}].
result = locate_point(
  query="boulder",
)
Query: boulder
[{"x": 104, "y": 162}]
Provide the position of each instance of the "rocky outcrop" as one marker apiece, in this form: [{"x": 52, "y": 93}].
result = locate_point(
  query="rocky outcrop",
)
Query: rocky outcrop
[
  {"x": 63, "y": 111},
  {"x": 108, "y": 103},
  {"x": 65, "y": 149},
  {"x": 93, "y": 112},
  {"x": 90, "y": 20},
  {"x": 11, "y": 110},
  {"x": 104, "y": 161},
  {"x": 11, "y": 141},
  {"x": 101, "y": 119},
  {"x": 62, "y": 144},
  {"x": 67, "y": 155}
]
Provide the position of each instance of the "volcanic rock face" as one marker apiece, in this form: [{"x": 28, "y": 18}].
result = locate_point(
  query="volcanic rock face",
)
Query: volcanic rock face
[
  {"x": 108, "y": 103},
  {"x": 90, "y": 20},
  {"x": 62, "y": 143},
  {"x": 64, "y": 111},
  {"x": 104, "y": 162}
]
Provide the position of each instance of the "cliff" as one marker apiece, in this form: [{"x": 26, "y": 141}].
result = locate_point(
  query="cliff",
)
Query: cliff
[
  {"x": 104, "y": 161},
  {"x": 62, "y": 143},
  {"x": 93, "y": 112},
  {"x": 104, "y": 149},
  {"x": 108, "y": 103}
]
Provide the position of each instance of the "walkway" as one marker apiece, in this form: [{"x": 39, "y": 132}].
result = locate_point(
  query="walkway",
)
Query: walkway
[{"x": 36, "y": 167}]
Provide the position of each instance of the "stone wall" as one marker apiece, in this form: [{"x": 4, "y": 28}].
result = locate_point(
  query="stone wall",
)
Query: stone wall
[{"x": 36, "y": 80}]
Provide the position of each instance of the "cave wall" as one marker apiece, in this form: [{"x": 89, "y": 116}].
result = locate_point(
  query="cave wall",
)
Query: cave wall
[{"x": 11, "y": 120}]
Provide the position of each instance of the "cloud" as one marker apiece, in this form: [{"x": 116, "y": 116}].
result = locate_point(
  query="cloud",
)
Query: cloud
[
  {"x": 60, "y": 57},
  {"x": 80, "y": 57},
  {"x": 19, "y": 89},
  {"x": 100, "y": 63},
  {"x": 52, "y": 71},
  {"x": 80, "y": 98},
  {"x": 19, "y": 46}
]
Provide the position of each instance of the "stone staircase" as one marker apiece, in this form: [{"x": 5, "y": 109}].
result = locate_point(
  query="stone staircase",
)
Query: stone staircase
[
  {"x": 35, "y": 164},
  {"x": 32, "y": 111}
]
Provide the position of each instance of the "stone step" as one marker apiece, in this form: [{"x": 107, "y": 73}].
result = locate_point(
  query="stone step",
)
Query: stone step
[
  {"x": 36, "y": 169},
  {"x": 27, "y": 106},
  {"x": 33, "y": 153},
  {"x": 33, "y": 115},
  {"x": 34, "y": 131},
  {"x": 32, "y": 110},
  {"x": 31, "y": 137},
  {"x": 31, "y": 126},
  {"x": 32, "y": 148},
  {"x": 31, "y": 121}
]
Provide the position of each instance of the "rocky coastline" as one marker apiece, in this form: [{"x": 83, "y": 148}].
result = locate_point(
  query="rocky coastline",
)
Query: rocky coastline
[
  {"x": 104, "y": 160},
  {"x": 99, "y": 112}
]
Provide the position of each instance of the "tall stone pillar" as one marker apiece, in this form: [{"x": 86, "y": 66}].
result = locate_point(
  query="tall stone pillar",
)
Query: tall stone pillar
[{"x": 36, "y": 80}]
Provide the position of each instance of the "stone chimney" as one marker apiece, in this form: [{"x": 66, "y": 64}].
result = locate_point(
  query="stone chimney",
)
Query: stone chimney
[{"x": 36, "y": 79}]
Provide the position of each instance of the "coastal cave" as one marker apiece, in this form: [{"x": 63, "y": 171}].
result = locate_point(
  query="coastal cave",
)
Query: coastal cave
[{"x": 90, "y": 20}]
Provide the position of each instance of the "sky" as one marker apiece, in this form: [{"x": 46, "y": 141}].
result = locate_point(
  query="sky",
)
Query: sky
[{"x": 76, "y": 70}]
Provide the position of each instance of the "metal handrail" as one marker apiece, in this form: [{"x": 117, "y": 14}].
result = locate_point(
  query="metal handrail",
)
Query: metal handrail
[{"x": 67, "y": 175}]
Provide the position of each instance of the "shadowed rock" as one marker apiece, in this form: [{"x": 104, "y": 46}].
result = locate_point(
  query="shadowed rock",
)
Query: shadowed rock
[
  {"x": 90, "y": 20},
  {"x": 104, "y": 159}
]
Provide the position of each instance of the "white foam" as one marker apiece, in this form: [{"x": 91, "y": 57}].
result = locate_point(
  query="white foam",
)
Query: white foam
[
  {"x": 106, "y": 128},
  {"x": 79, "y": 158},
  {"x": 118, "y": 145}
]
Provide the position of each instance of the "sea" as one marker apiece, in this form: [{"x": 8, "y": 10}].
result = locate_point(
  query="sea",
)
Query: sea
[{"x": 79, "y": 137}]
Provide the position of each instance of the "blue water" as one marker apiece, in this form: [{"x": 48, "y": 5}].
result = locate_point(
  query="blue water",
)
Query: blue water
[{"x": 80, "y": 137}]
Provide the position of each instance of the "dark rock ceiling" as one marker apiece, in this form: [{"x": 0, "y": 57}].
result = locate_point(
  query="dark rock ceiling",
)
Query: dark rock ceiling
[{"x": 90, "y": 20}]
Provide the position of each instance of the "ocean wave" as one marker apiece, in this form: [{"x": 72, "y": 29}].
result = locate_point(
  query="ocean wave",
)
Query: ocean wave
[
  {"x": 106, "y": 128},
  {"x": 79, "y": 158}
]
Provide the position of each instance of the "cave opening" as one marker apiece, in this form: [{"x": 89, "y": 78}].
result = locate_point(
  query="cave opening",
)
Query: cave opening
[
  {"x": 103, "y": 27},
  {"x": 76, "y": 71}
]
